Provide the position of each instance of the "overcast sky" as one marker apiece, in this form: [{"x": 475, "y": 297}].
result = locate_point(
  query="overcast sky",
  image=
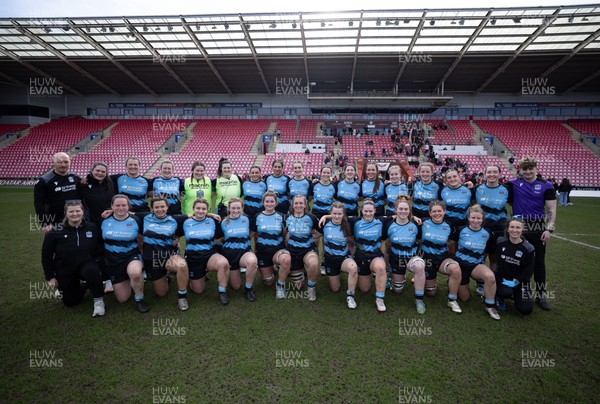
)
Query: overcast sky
[{"x": 100, "y": 8}]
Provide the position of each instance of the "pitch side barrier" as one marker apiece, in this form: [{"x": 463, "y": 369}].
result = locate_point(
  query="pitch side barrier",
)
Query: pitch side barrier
[{"x": 18, "y": 183}]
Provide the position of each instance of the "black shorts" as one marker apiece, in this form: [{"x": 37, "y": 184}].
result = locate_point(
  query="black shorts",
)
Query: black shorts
[
  {"x": 197, "y": 265},
  {"x": 333, "y": 264},
  {"x": 466, "y": 268},
  {"x": 364, "y": 264},
  {"x": 298, "y": 258},
  {"x": 432, "y": 264},
  {"x": 264, "y": 255},
  {"x": 399, "y": 264},
  {"x": 234, "y": 257},
  {"x": 155, "y": 266},
  {"x": 117, "y": 270}
]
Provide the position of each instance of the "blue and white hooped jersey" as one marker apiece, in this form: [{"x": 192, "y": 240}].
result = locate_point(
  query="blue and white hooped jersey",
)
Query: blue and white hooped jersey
[
  {"x": 367, "y": 188},
  {"x": 493, "y": 202},
  {"x": 121, "y": 236},
  {"x": 457, "y": 202},
  {"x": 300, "y": 232},
  {"x": 136, "y": 189},
  {"x": 199, "y": 236},
  {"x": 301, "y": 187},
  {"x": 391, "y": 193},
  {"x": 323, "y": 196},
  {"x": 423, "y": 195},
  {"x": 434, "y": 237},
  {"x": 403, "y": 238},
  {"x": 368, "y": 235},
  {"x": 279, "y": 185},
  {"x": 236, "y": 233},
  {"x": 169, "y": 189},
  {"x": 269, "y": 230},
  {"x": 471, "y": 245},
  {"x": 348, "y": 194},
  {"x": 335, "y": 243},
  {"x": 253, "y": 193}
]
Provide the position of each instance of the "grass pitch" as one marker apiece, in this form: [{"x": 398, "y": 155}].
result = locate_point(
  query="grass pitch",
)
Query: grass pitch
[{"x": 294, "y": 350}]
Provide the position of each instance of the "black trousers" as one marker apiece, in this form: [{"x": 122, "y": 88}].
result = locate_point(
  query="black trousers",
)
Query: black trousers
[
  {"x": 521, "y": 294},
  {"x": 539, "y": 269},
  {"x": 73, "y": 291}
]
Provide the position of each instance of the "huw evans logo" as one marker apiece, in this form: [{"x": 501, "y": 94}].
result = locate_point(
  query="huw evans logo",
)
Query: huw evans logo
[
  {"x": 291, "y": 86},
  {"x": 45, "y": 87},
  {"x": 536, "y": 86},
  {"x": 415, "y": 58}
]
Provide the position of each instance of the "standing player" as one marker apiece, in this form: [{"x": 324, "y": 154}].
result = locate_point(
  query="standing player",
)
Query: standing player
[
  {"x": 253, "y": 191},
  {"x": 348, "y": 191},
  {"x": 97, "y": 192},
  {"x": 394, "y": 188},
  {"x": 227, "y": 185},
  {"x": 492, "y": 197},
  {"x": 168, "y": 187},
  {"x": 133, "y": 185},
  {"x": 373, "y": 188},
  {"x": 52, "y": 191},
  {"x": 534, "y": 200},
  {"x": 299, "y": 185},
  {"x": 197, "y": 186},
  {"x": 457, "y": 199},
  {"x": 278, "y": 182},
  {"x": 425, "y": 191}
]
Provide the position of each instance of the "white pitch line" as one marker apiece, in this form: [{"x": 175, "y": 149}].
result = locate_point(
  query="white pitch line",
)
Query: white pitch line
[
  {"x": 578, "y": 242},
  {"x": 580, "y": 234}
]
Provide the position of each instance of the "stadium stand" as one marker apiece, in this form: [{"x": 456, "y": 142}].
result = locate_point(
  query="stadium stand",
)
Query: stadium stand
[
  {"x": 213, "y": 139},
  {"x": 140, "y": 138},
  {"x": 31, "y": 156},
  {"x": 550, "y": 143},
  {"x": 12, "y": 128}
]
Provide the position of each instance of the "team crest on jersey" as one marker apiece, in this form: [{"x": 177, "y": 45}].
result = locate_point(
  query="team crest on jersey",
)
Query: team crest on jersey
[
  {"x": 71, "y": 179},
  {"x": 88, "y": 234},
  {"x": 90, "y": 186},
  {"x": 129, "y": 225},
  {"x": 519, "y": 254},
  {"x": 537, "y": 187}
]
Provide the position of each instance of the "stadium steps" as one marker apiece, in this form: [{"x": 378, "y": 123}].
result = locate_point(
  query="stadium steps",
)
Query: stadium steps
[
  {"x": 479, "y": 134},
  {"x": 105, "y": 133},
  {"x": 260, "y": 159},
  {"x": 189, "y": 134},
  {"x": 577, "y": 136},
  {"x": 150, "y": 172},
  {"x": 13, "y": 139}
]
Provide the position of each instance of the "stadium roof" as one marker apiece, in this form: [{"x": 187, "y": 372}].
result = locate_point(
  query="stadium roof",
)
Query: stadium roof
[{"x": 400, "y": 51}]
